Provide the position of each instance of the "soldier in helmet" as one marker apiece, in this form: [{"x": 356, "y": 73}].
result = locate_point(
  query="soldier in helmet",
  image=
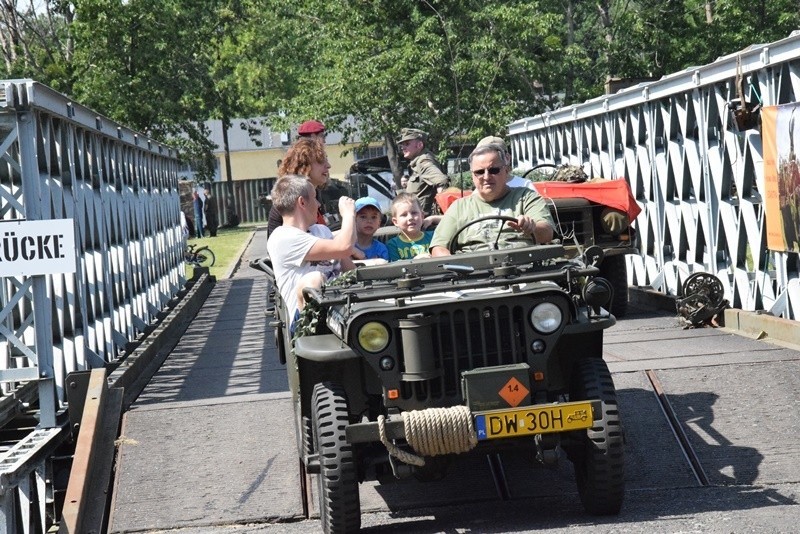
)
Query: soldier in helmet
[{"x": 426, "y": 177}]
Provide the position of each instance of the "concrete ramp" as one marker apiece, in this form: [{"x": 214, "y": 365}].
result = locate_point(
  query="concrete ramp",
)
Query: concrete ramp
[{"x": 210, "y": 441}]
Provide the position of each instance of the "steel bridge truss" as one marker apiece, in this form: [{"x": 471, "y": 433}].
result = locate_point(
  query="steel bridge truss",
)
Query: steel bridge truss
[
  {"x": 695, "y": 172},
  {"x": 59, "y": 160}
]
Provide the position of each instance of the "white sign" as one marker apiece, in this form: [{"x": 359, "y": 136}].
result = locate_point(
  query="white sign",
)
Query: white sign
[{"x": 29, "y": 248}]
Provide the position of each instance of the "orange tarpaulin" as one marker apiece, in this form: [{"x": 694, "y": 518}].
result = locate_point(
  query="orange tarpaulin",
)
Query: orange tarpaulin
[
  {"x": 448, "y": 196},
  {"x": 612, "y": 193}
]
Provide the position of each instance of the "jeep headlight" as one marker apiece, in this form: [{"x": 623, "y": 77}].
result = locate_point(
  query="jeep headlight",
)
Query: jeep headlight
[
  {"x": 546, "y": 317},
  {"x": 373, "y": 336}
]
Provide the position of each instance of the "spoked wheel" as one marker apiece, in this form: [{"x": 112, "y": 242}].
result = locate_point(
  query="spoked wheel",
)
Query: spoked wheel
[
  {"x": 598, "y": 457},
  {"x": 615, "y": 270},
  {"x": 706, "y": 285},
  {"x": 339, "y": 505},
  {"x": 205, "y": 257}
]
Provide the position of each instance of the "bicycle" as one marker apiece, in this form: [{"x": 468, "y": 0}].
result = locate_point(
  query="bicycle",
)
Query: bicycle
[{"x": 199, "y": 257}]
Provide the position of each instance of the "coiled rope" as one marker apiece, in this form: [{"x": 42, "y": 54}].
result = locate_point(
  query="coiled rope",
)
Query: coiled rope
[{"x": 432, "y": 432}]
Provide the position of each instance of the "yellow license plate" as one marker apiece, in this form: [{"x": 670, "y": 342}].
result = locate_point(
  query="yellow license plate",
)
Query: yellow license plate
[{"x": 533, "y": 420}]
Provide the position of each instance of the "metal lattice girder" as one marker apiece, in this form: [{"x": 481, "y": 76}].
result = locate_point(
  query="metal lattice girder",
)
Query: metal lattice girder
[
  {"x": 697, "y": 176},
  {"x": 121, "y": 191},
  {"x": 59, "y": 160},
  {"x": 22, "y": 478}
]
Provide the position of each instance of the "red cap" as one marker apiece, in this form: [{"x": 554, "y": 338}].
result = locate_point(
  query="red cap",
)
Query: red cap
[{"x": 311, "y": 128}]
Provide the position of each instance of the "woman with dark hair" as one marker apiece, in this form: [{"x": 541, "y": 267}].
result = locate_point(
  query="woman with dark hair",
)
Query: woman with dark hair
[{"x": 307, "y": 158}]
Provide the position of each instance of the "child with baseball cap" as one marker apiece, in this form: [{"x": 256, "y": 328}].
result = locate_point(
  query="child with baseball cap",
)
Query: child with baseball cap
[{"x": 368, "y": 220}]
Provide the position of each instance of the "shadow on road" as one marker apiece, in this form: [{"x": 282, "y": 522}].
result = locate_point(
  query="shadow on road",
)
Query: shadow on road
[
  {"x": 660, "y": 483},
  {"x": 228, "y": 350}
]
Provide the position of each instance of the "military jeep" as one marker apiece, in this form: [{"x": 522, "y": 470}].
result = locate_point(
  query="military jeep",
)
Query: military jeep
[{"x": 395, "y": 368}]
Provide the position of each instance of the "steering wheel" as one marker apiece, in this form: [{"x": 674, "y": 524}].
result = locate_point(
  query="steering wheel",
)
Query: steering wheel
[{"x": 451, "y": 246}]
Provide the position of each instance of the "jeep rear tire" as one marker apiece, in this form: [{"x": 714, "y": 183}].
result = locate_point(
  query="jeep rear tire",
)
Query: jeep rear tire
[
  {"x": 337, "y": 486},
  {"x": 599, "y": 458},
  {"x": 615, "y": 270}
]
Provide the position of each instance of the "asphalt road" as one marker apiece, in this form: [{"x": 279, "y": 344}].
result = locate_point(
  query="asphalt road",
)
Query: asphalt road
[{"x": 208, "y": 447}]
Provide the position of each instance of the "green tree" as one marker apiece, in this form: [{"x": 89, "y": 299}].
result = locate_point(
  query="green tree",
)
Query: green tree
[
  {"x": 36, "y": 43},
  {"x": 460, "y": 70}
]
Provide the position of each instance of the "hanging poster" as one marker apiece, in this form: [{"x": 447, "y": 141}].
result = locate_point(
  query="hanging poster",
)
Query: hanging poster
[{"x": 780, "y": 134}]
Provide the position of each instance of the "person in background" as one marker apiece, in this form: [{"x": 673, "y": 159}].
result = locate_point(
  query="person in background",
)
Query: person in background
[
  {"x": 426, "y": 177},
  {"x": 492, "y": 196},
  {"x": 368, "y": 220},
  {"x": 306, "y": 157},
  {"x": 403, "y": 183},
  {"x": 302, "y": 257},
  {"x": 211, "y": 213},
  {"x": 312, "y": 129},
  {"x": 197, "y": 202},
  {"x": 412, "y": 241}
]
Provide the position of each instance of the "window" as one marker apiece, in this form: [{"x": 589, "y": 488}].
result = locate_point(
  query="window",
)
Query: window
[{"x": 370, "y": 152}]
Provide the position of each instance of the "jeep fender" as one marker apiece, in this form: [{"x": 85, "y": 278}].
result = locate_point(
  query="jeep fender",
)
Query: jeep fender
[{"x": 326, "y": 348}]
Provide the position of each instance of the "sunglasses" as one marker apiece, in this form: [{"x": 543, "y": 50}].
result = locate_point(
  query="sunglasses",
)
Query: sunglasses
[{"x": 490, "y": 170}]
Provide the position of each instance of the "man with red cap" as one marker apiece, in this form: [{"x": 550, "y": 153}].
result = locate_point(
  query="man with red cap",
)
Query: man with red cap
[{"x": 312, "y": 129}]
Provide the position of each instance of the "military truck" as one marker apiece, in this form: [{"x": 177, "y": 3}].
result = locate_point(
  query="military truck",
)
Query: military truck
[{"x": 394, "y": 369}]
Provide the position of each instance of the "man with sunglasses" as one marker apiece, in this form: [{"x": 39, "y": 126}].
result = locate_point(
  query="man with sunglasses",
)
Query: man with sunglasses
[
  {"x": 513, "y": 181},
  {"x": 492, "y": 196},
  {"x": 427, "y": 177}
]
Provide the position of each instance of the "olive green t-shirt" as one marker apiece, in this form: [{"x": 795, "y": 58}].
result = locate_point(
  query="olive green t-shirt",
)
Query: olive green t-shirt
[{"x": 482, "y": 236}]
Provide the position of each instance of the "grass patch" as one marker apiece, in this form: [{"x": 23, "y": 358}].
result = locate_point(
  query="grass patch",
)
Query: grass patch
[{"x": 226, "y": 247}]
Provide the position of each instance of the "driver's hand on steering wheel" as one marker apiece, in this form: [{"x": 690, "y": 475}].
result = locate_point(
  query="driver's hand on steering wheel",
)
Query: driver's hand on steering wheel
[{"x": 524, "y": 224}]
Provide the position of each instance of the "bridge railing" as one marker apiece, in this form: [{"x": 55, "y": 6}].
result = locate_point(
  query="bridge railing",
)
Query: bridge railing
[
  {"x": 59, "y": 161},
  {"x": 695, "y": 172}
]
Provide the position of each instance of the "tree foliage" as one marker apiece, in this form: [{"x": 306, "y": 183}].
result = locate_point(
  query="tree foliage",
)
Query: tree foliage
[{"x": 460, "y": 69}]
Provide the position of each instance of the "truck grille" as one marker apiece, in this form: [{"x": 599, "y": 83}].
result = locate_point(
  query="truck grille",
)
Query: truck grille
[{"x": 465, "y": 339}]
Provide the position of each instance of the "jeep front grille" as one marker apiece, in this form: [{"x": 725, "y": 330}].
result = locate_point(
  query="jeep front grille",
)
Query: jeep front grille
[{"x": 470, "y": 338}]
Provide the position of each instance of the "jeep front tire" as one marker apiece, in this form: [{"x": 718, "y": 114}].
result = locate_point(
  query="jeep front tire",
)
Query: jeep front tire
[
  {"x": 339, "y": 505},
  {"x": 598, "y": 457}
]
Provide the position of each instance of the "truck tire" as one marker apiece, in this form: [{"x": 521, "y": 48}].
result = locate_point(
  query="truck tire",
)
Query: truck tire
[
  {"x": 339, "y": 504},
  {"x": 599, "y": 458},
  {"x": 615, "y": 270}
]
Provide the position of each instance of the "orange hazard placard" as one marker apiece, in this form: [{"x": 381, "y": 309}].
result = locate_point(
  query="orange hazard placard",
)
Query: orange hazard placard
[{"x": 513, "y": 392}]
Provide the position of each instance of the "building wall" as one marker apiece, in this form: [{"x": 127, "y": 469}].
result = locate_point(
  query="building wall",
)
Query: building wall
[
  {"x": 257, "y": 157},
  {"x": 251, "y": 164}
]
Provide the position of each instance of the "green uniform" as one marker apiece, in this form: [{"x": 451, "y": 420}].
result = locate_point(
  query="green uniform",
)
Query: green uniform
[
  {"x": 481, "y": 236},
  {"x": 426, "y": 176}
]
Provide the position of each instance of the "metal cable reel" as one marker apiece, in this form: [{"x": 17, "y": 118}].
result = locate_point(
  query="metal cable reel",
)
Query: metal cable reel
[{"x": 702, "y": 299}]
